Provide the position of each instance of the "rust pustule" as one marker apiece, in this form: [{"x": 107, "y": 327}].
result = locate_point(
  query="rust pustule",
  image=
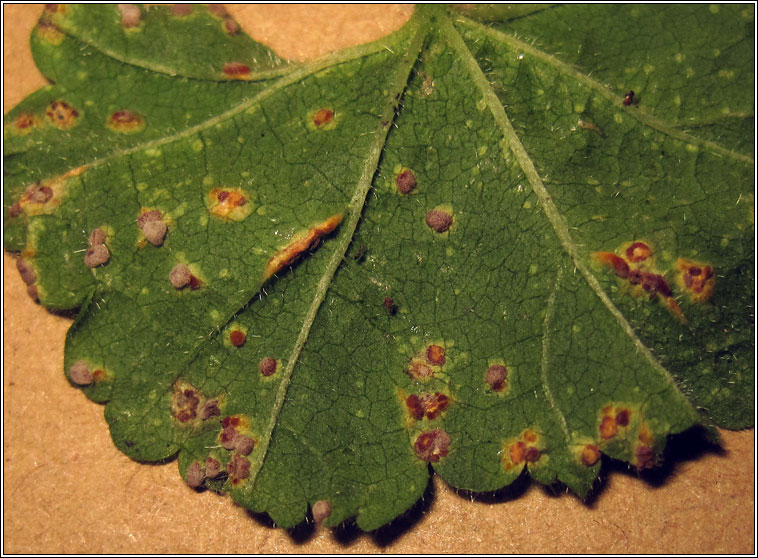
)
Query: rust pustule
[
  {"x": 237, "y": 338},
  {"x": 435, "y": 354},
  {"x": 323, "y": 116},
  {"x": 433, "y": 445},
  {"x": 405, "y": 181},
  {"x": 184, "y": 402},
  {"x": 497, "y": 377},
  {"x": 125, "y": 121},
  {"x": 267, "y": 366},
  {"x": 608, "y": 427},
  {"x": 590, "y": 455},
  {"x": 236, "y": 70},
  {"x": 619, "y": 266},
  {"x": 195, "y": 474},
  {"x": 638, "y": 252},
  {"x": 81, "y": 374},
  {"x": 438, "y": 220},
  {"x": 238, "y": 468},
  {"x": 301, "y": 244},
  {"x": 696, "y": 279},
  {"x": 321, "y": 510}
]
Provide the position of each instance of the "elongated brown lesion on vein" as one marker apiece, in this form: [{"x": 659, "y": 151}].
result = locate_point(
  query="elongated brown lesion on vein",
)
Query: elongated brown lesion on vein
[{"x": 301, "y": 244}]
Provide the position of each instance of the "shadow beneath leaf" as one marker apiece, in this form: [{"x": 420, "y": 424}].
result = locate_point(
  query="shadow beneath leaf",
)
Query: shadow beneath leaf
[{"x": 502, "y": 495}]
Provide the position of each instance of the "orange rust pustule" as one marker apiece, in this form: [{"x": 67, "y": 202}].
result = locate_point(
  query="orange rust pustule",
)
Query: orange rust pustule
[
  {"x": 638, "y": 252},
  {"x": 433, "y": 445},
  {"x": 696, "y": 279},
  {"x": 608, "y": 427},
  {"x": 590, "y": 455},
  {"x": 236, "y": 70},
  {"x": 61, "y": 115},
  {"x": 323, "y": 116},
  {"x": 427, "y": 404},
  {"x": 237, "y": 338},
  {"x": 435, "y": 354},
  {"x": 517, "y": 452},
  {"x": 25, "y": 122},
  {"x": 125, "y": 121},
  {"x": 309, "y": 241}
]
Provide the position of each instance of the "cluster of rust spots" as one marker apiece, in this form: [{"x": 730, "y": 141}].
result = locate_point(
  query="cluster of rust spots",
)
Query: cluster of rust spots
[
  {"x": 524, "y": 449},
  {"x": 229, "y": 25},
  {"x": 405, "y": 181},
  {"x": 188, "y": 404},
  {"x": 237, "y": 337},
  {"x": 611, "y": 419},
  {"x": 28, "y": 276},
  {"x": 24, "y": 123},
  {"x": 429, "y": 405},
  {"x": 181, "y": 276},
  {"x": 153, "y": 226},
  {"x": 497, "y": 377},
  {"x": 696, "y": 279},
  {"x": 301, "y": 243},
  {"x": 439, "y": 220},
  {"x": 268, "y": 366},
  {"x": 82, "y": 374},
  {"x": 634, "y": 268},
  {"x": 131, "y": 16},
  {"x": 197, "y": 472},
  {"x": 229, "y": 203},
  {"x": 619, "y": 421},
  {"x": 35, "y": 195},
  {"x": 432, "y": 445},
  {"x": 426, "y": 364},
  {"x": 236, "y": 70},
  {"x": 125, "y": 121},
  {"x": 234, "y": 440},
  {"x": 61, "y": 115},
  {"x": 97, "y": 254}
]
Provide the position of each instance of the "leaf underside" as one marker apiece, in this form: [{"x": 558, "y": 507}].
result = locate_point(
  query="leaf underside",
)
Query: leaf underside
[{"x": 462, "y": 245}]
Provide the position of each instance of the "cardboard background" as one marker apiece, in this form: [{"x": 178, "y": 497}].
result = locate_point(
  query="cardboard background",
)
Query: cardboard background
[{"x": 67, "y": 489}]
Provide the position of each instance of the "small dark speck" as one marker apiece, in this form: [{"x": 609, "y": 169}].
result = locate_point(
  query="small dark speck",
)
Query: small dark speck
[{"x": 128, "y": 443}]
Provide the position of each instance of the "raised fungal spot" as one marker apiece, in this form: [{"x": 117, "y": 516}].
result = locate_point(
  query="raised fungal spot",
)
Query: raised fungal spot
[
  {"x": 238, "y": 468},
  {"x": 608, "y": 427},
  {"x": 230, "y": 26},
  {"x": 130, "y": 15},
  {"x": 229, "y": 203},
  {"x": 81, "y": 374},
  {"x": 28, "y": 275},
  {"x": 638, "y": 252},
  {"x": 212, "y": 468},
  {"x": 435, "y": 354},
  {"x": 405, "y": 181},
  {"x": 497, "y": 377},
  {"x": 267, "y": 366},
  {"x": 301, "y": 243},
  {"x": 96, "y": 256},
  {"x": 97, "y": 236},
  {"x": 244, "y": 444},
  {"x": 532, "y": 454},
  {"x": 438, "y": 220},
  {"x": 696, "y": 279},
  {"x": 185, "y": 402},
  {"x": 237, "y": 337},
  {"x": 526, "y": 448},
  {"x": 181, "y": 10},
  {"x": 195, "y": 475},
  {"x": 321, "y": 510},
  {"x": 180, "y": 277},
  {"x": 431, "y": 446},
  {"x": 125, "y": 121},
  {"x": 236, "y": 70},
  {"x": 153, "y": 227},
  {"x": 61, "y": 115},
  {"x": 628, "y": 99},
  {"x": 590, "y": 455},
  {"x": 38, "y": 193}
]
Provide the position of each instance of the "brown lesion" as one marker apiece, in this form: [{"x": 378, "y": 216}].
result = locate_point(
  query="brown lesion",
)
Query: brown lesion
[
  {"x": 696, "y": 279},
  {"x": 526, "y": 448},
  {"x": 232, "y": 204},
  {"x": 62, "y": 115},
  {"x": 190, "y": 406},
  {"x": 125, "y": 121},
  {"x": 301, "y": 244},
  {"x": 43, "y": 196},
  {"x": 24, "y": 123}
]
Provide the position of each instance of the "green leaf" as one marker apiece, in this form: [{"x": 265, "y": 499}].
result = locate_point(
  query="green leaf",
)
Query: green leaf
[{"x": 462, "y": 245}]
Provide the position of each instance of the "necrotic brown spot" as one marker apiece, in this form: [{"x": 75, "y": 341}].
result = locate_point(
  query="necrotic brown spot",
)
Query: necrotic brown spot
[
  {"x": 81, "y": 374},
  {"x": 96, "y": 256},
  {"x": 638, "y": 252},
  {"x": 238, "y": 468},
  {"x": 622, "y": 417},
  {"x": 237, "y": 338},
  {"x": 301, "y": 244},
  {"x": 209, "y": 409},
  {"x": 125, "y": 121},
  {"x": 532, "y": 455},
  {"x": 97, "y": 236},
  {"x": 36, "y": 193},
  {"x": 438, "y": 220},
  {"x": 618, "y": 264},
  {"x": 236, "y": 69},
  {"x": 433, "y": 445},
  {"x": 405, "y": 181},
  {"x": 435, "y": 354},
  {"x": 323, "y": 116},
  {"x": 496, "y": 377},
  {"x": 61, "y": 115},
  {"x": 419, "y": 370},
  {"x": 413, "y": 403},
  {"x": 321, "y": 510},
  {"x": 267, "y": 366},
  {"x": 25, "y": 121}
]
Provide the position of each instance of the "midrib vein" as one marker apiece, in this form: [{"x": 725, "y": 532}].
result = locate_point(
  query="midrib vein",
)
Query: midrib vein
[
  {"x": 638, "y": 113},
  {"x": 340, "y": 249},
  {"x": 551, "y": 211}
]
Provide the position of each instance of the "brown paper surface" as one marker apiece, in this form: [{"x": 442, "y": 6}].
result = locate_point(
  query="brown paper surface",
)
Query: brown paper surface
[{"x": 67, "y": 489}]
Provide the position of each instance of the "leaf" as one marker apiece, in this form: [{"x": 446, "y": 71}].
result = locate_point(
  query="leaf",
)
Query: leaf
[{"x": 548, "y": 177}]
